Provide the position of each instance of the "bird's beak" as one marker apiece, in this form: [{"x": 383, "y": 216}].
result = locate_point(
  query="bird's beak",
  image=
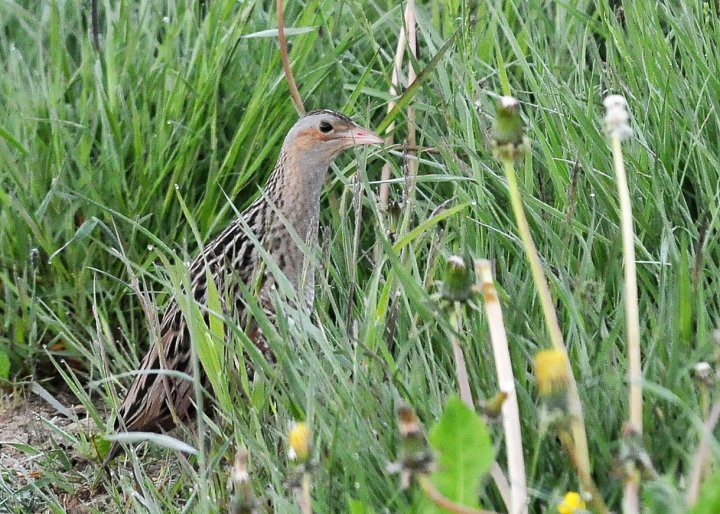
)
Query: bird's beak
[{"x": 358, "y": 135}]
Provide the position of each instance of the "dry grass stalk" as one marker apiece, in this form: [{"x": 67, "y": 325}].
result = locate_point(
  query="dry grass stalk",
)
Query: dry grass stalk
[
  {"x": 294, "y": 93},
  {"x": 506, "y": 381},
  {"x": 702, "y": 454},
  {"x": 412, "y": 166},
  {"x": 384, "y": 192}
]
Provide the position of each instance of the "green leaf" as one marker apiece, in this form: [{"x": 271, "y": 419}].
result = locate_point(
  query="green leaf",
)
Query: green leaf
[
  {"x": 709, "y": 501},
  {"x": 428, "y": 224},
  {"x": 4, "y": 366},
  {"x": 685, "y": 297},
  {"x": 464, "y": 451},
  {"x": 358, "y": 507},
  {"x": 212, "y": 352},
  {"x": 209, "y": 352},
  {"x": 7, "y": 136},
  {"x": 293, "y": 31},
  {"x": 81, "y": 233}
]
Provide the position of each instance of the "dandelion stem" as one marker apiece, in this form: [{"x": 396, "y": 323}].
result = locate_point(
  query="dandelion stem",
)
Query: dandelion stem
[
  {"x": 501, "y": 481},
  {"x": 596, "y": 500},
  {"x": 460, "y": 366},
  {"x": 617, "y": 127},
  {"x": 632, "y": 317},
  {"x": 551, "y": 320},
  {"x": 445, "y": 503},
  {"x": 304, "y": 500},
  {"x": 702, "y": 454},
  {"x": 578, "y": 426}
]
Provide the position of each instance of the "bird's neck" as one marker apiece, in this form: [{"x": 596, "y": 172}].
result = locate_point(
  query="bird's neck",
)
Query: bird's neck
[
  {"x": 298, "y": 181},
  {"x": 294, "y": 189}
]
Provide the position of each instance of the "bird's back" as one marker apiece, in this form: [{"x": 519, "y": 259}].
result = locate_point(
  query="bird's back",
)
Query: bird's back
[{"x": 156, "y": 401}]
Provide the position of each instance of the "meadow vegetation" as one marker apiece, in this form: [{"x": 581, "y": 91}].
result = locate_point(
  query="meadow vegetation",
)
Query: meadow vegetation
[{"x": 118, "y": 163}]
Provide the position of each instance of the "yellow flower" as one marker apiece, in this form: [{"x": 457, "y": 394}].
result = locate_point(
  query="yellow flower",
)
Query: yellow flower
[
  {"x": 551, "y": 372},
  {"x": 572, "y": 504},
  {"x": 299, "y": 438}
]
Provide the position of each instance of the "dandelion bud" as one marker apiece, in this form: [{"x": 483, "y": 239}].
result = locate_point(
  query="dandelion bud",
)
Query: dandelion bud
[
  {"x": 242, "y": 499},
  {"x": 572, "y": 504},
  {"x": 703, "y": 373},
  {"x": 552, "y": 379},
  {"x": 508, "y": 130},
  {"x": 299, "y": 440},
  {"x": 458, "y": 280},
  {"x": 617, "y": 117},
  {"x": 492, "y": 408},
  {"x": 414, "y": 456},
  {"x": 633, "y": 456}
]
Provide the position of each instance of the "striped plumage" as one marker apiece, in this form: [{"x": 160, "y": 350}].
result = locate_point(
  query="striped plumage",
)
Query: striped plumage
[{"x": 292, "y": 193}]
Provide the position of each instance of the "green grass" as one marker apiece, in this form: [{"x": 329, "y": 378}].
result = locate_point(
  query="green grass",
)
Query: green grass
[{"x": 185, "y": 102}]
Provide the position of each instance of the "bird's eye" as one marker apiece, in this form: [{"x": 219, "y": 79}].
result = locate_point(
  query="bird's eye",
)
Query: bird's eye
[{"x": 325, "y": 127}]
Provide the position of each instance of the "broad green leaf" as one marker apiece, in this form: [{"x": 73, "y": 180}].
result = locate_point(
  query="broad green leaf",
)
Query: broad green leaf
[
  {"x": 210, "y": 352},
  {"x": 465, "y": 454},
  {"x": 709, "y": 501},
  {"x": 215, "y": 338},
  {"x": 358, "y": 507}
]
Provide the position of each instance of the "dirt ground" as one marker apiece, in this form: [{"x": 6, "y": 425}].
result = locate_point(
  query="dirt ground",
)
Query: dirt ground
[{"x": 38, "y": 456}]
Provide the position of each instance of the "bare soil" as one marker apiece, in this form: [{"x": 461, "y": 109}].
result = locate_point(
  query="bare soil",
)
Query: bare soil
[{"x": 39, "y": 457}]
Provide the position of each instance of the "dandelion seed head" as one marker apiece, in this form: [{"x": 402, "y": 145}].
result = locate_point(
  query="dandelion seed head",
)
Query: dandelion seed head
[
  {"x": 508, "y": 102},
  {"x": 702, "y": 368},
  {"x": 617, "y": 118}
]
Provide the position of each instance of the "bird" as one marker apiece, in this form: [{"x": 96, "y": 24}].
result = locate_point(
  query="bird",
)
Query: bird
[{"x": 155, "y": 402}]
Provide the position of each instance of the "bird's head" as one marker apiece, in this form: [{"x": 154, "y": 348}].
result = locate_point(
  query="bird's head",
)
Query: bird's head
[{"x": 320, "y": 136}]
